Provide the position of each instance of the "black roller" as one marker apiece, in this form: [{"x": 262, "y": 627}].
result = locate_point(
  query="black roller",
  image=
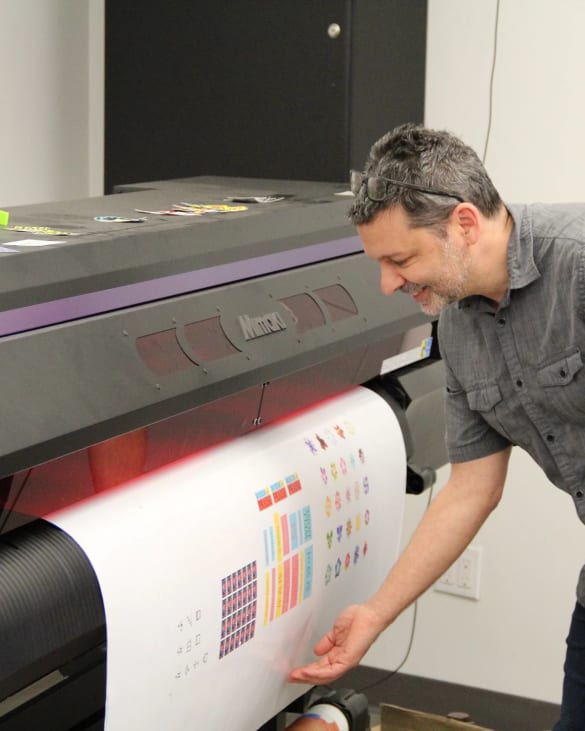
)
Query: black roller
[{"x": 51, "y": 608}]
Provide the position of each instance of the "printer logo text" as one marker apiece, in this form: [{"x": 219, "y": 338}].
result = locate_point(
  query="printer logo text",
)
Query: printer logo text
[{"x": 257, "y": 327}]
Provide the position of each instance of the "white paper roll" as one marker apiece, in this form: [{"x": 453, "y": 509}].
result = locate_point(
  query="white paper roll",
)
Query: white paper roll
[{"x": 221, "y": 571}]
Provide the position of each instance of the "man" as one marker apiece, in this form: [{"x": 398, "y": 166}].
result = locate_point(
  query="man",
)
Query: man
[{"x": 509, "y": 284}]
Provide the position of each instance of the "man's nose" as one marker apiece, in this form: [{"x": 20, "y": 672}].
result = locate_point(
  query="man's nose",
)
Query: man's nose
[{"x": 390, "y": 280}]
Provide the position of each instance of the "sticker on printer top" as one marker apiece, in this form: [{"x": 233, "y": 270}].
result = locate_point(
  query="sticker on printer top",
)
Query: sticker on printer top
[
  {"x": 30, "y": 242},
  {"x": 208, "y": 207},
  {"x": 43, "y": 230},
  {"x": 255, "y": 199},
  {"x": 167, "y": 212},
  {"x": 118, "y": 219}
]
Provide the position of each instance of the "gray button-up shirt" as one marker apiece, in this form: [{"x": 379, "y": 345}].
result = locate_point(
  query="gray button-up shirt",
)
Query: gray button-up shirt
[{"x": 515, "y": 372}]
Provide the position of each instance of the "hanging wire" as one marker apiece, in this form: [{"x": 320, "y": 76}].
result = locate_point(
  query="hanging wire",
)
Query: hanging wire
[
  {"x": 491, "y": 95},
  {"x": 392, "y": 673}
]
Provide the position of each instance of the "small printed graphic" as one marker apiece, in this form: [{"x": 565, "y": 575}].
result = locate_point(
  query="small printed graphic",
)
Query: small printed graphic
[
  {"x": 190, "y": 649},
  {"x": 322, "y": 442},
  {"x": 328, "y": 574},
  {"x": 293, "y": 484},
  {"x": 239, "y": 594},
  {"x": 264, "y": 499},
  {"x": 278, "y": 491},
  {"x": 328, "y": 506},
  {"x": 343, "y": 477},
  {"x": 349, "y": 427},
  {"x": 288, "y": 554},
  {"x": 313, "y": 449}
]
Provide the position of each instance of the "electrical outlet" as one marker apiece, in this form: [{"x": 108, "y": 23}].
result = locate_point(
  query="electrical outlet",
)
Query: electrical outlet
[{"x": 462, "y": 578}]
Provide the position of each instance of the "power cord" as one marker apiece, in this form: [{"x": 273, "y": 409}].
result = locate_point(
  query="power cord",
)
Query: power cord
[{"x": 391, "y": 673}]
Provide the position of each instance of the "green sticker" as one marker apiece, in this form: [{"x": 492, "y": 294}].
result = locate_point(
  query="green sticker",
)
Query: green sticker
[{"x": 4, "y": 216}]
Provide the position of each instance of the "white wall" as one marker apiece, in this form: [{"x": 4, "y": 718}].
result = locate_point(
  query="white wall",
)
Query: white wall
[
  {"x": 51, "y": 108},
  {"x": 512, "y": 639}
]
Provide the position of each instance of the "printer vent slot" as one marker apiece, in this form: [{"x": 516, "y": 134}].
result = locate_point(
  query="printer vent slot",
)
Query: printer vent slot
[
  {"x": 338, "y": 302},
  {"x": 162, "y": 354},
  {"x": 306, "y": 312},
  {"x": 208, "y": 341}
]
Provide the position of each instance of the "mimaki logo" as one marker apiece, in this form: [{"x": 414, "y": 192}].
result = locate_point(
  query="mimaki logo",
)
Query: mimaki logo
[{"x": 257, "y": 327}]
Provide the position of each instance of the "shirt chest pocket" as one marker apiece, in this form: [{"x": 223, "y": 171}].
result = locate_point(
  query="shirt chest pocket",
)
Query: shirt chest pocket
[
  {"x": 561, "y": 372},
  {"x": 562, "y": 385}
]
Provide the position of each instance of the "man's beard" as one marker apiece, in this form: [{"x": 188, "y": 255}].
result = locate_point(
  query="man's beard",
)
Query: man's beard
[{"x": 448, "y": 286}]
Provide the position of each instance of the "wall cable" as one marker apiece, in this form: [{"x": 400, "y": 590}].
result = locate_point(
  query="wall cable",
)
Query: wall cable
[{"x": 492, "y": 75}]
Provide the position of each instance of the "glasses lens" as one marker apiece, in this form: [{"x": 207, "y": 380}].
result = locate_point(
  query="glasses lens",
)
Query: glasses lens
[
  {"x": 356, "y": 180},
  {"x": 376, "y": 188}
]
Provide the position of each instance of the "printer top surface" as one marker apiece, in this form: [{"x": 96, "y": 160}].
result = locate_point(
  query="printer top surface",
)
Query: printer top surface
[{"x": 106, "y": 255}]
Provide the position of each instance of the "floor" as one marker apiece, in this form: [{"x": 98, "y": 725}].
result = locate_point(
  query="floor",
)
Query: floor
[{"x": 497, "y": 711}]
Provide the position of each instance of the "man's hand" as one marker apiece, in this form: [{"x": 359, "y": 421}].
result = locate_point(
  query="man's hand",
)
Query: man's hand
[{"x": 343, "y": 647}]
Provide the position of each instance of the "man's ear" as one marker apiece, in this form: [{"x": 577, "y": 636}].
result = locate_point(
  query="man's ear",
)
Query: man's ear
[{"x": 465, "y": 218}]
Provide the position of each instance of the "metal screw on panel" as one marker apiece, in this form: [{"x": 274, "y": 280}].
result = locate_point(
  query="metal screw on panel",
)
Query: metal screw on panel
[
  {"x": 125, "y": 333},
  {"x": 257, "y": 421},
  {"x": 334, "y": 30}
]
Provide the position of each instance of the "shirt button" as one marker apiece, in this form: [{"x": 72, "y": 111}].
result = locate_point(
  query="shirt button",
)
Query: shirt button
[
  {"x": 563, "y": 373},
  {"x": 519, "y": 383},
  {"x": 501, "y": 320},
  {"x": 550, "y": 437},
  {"x": 579, "y": 494}
]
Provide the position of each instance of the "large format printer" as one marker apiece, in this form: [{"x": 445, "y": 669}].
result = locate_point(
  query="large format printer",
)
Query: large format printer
[{"x": 192, "y": 330}]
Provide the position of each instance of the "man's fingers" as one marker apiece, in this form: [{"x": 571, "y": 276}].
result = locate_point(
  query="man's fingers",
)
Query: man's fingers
[
  {"x": 316, "y": 673},
  {"x": 325, "y": 644}
]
